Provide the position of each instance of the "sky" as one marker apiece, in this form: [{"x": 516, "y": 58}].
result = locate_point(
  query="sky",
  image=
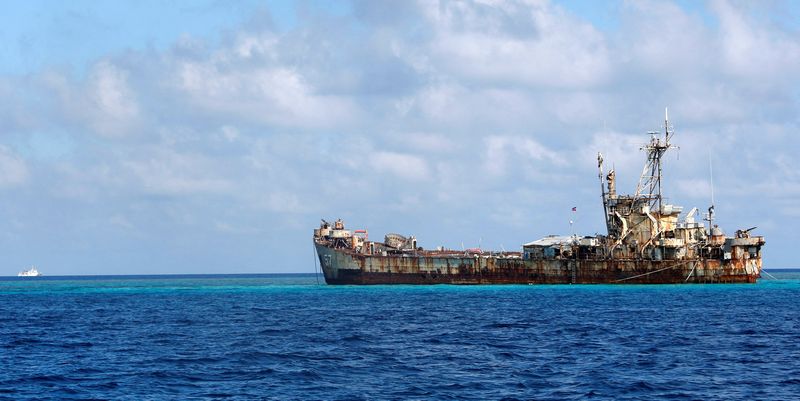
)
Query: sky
[{"x": 212, "y": 136}]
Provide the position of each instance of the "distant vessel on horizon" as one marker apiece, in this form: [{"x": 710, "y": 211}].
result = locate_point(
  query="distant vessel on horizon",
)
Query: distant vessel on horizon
[{"x": 32, "y": 272}]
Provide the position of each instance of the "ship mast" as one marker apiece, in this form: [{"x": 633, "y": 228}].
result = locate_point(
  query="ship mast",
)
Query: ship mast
[
  {"x": 603, "y": 191},
  {"x": 710, "y": 215},
  {"x": 649, "y": 187}
]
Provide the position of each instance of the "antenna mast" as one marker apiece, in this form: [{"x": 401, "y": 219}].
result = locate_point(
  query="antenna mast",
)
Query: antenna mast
[
  {"x": 649, "y": 187},
  {"x": 710, "y": 215}
]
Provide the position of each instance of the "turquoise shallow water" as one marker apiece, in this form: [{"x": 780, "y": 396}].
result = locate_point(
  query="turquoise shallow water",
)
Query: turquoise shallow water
[{"x": 285, "y": 337}]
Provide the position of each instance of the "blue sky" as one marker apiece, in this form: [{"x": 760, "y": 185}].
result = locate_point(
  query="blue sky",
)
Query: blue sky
[
  {"x": 42, "y": 34},
  {"x": 211, "y": 137}
]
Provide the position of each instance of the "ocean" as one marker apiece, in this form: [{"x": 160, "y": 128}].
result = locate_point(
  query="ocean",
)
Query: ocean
[{"x": 285, "y": 337}]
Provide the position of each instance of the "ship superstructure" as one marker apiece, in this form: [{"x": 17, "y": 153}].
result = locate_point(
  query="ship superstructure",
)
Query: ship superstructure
[
  {"x": 32, "y": 272},
  {"x": 647, "y": 241}
]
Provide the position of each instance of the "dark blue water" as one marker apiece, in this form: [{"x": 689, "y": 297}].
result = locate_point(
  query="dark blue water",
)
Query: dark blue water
[{"x": 284, "y": 337}]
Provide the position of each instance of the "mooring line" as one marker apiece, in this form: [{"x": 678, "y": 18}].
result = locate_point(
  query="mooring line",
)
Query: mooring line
[
  {"x": 649, "y": 273},
  {"x": 773, "y": 277},
  {"x": 694, "y": 265}
]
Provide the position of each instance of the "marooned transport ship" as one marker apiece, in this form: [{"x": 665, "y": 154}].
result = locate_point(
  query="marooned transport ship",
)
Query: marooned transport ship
[{"x": 647, "y": 242}]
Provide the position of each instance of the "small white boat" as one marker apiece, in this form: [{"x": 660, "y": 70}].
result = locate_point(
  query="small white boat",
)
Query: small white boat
[{"x": 32, "y": 272}]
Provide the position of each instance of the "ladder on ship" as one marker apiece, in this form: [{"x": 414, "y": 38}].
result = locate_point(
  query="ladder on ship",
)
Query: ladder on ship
[{"x": 573, "y": 267}]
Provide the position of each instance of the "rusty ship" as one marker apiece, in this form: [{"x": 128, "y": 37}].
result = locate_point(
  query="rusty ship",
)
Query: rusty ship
[{"x": 647, "y": 241}]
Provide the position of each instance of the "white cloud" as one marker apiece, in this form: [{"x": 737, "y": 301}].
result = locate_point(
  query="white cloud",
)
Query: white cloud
[
  {"x": 697, "y": 188},
  {"x": 13, "y": 170},
  {"x": 112, "y": 106},
  {"x": 167, "y": 172},
  {"x": 283, "y": 202},
  {"x": 105, "y": 103},
  {"x": 120, "y": 221},
  {"x": 502, "y": 150},
  {"x": 267, "y": 95},
  {"x": 680, "y": 48},
  {"x": 519, "y": 42},
  {"x": 752, "y": 51},
  {"x": 262, "y": 45},
  {"x": 620, "y": 151},
  {"x": 228, "y": 228},
  {"x": 230, "y": 134},
  {"x": 401, "y": 165},
  {"x": 440, "y": 101}
]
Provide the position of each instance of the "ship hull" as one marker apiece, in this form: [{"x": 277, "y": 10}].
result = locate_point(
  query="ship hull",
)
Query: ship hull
[{"x": 341, "y": 266}]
